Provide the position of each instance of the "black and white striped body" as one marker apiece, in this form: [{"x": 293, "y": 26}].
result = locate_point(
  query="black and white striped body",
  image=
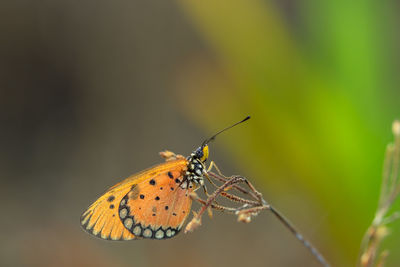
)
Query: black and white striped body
[{"x": 195, "y": 172}]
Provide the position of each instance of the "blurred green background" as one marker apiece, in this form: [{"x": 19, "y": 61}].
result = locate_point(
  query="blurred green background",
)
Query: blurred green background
[{"x": 90, "y": 92}]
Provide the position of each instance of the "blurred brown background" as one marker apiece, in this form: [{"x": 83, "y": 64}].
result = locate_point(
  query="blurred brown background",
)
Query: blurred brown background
[
  {"x": 86, "y": 101},
  {"x": 91, "y": 91}
]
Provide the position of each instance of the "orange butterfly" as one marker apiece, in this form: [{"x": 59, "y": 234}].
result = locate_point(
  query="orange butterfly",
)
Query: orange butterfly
[{"x": 153, "y": 203}]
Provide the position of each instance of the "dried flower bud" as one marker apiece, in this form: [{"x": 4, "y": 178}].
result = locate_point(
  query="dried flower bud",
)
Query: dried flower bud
[
  {"x": 210, "y": 213},
  {"x": 193, "y": 224},
  {"x": 244, "y": 217},
  {"x": 193, "y": 196}
]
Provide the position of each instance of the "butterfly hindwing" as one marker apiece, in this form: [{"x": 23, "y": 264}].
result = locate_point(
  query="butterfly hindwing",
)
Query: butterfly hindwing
[
  {"x": 102, "y": 218},
  {"x": 156, "y": 208}
]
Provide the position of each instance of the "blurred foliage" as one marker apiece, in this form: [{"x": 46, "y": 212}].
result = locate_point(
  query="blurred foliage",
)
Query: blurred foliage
[
  {"x": 90, "y": 94},
  {"x": 321, "y": 94},
  {"x": 390, "y": 190}
]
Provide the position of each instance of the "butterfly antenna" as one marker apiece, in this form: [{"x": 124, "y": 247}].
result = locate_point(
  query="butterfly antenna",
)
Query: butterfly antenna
[{"x": 223, "y": 130}]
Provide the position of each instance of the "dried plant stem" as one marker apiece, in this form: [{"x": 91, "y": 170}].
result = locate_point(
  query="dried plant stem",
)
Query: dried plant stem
[
  {"x": 248, "y": 209},
  {"x": 235, "y": 179},
  {"x": 223, "y": 179},
  {"x": 306, "y": 243},
  {"x": 390, "y": 190}
]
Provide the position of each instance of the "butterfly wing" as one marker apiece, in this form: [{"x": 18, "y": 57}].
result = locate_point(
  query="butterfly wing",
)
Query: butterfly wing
[
  {"x": 156, "y": 208},
  {"x": 103, "y": 218}
]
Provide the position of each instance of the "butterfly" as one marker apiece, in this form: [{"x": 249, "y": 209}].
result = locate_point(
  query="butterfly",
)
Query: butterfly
[{"x": 153, "y": 203}]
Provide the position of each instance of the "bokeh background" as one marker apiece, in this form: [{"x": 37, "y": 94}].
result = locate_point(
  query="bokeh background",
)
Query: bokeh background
[{"x": 91, "y": 91}]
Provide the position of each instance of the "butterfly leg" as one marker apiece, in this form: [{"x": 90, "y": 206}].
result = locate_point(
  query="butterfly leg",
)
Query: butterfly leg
[
  {"x": 215, "y": 206},
  {"x": 212, "y": 164},
  {"x": 221, "y": 177},
  {"x": 253, "y": 193},
  {"x": 210, "y": 181},
  {"x": 196, "y": 221},
  {"x": 231, "y": 196},
  {"x": 231, "y": 183},
  {"x": 236, "y": 187},
  {"x": 209, "y": 211}
]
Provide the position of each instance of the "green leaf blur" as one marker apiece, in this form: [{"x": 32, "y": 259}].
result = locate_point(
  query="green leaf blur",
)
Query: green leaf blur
[{"x": 322, "y": 97}]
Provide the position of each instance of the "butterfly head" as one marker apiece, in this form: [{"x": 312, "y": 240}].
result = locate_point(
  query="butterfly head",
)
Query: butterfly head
[
  {"x": 201, "y": 153},
  {"x": 196, "y": 168}
]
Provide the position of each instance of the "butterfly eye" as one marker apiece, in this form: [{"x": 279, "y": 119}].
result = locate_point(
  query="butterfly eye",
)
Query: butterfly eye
[
  {"x": 204, "y": 153},
  {"x": 199, "y": 153}
]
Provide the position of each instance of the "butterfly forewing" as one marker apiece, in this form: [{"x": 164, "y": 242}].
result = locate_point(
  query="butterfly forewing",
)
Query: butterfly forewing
[
  {"x": 101, "y": 218},
  {"x": 128, "y": 206}
]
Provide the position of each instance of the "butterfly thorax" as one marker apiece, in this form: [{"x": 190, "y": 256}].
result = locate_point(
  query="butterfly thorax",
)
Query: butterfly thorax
[
  {"x": 195, "y": 168},
  {"x": 195, "y": 171}
]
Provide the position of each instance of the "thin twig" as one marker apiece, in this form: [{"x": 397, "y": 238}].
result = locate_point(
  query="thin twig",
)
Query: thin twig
[
  {"x": 238, "y": 199},
  {"x": 236, "y": 187},
  {"x": 247, "y": 210},
  {"x": 300, "y": 237},
  {"x": 216, "y": 206}
]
